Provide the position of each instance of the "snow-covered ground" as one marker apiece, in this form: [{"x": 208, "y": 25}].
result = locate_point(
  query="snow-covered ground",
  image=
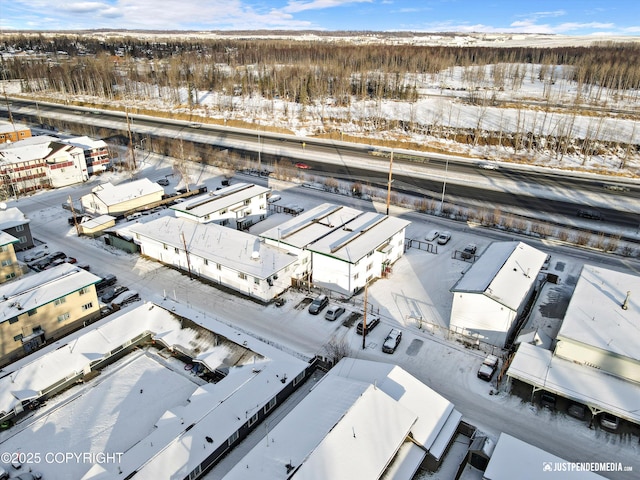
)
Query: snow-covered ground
[{"x": 418, "y": 287}]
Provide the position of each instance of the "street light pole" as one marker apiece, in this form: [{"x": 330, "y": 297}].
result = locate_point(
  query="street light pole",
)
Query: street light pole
[
  {"x": 444, "y": 183},
  {"x": 389, "y": 182}
]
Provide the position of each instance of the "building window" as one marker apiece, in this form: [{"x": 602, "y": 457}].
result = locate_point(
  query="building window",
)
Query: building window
[
  {"x": 60, "y": 301},
  {"x": 370, "y": 266},
  {"x": 10, "y": 276},
  {"x": 23, "y": 239},
  {"x": 218, "y": 266},
  {"x": 63, "y": 317},
  {"x": 87, "y": 306},
  {"x": 247, "y": 202},
  {"x": 222, "y": 212},
  {"x": 84, "y": 290},
  {"x": 298, "y": 379},
  {"x": 176, "y": 250},
  {"x": 206, "y": 262},
  {"x": 370, "y": 253},
  {"x": 4, "y": 248},
  {"x": 13, "y": 320},
  {"x": 232, "y": 439},
  {"x": 270, "y": 405},
  {"x": 256, "y": 280},
  {"x": 355, "y": 276},
  {"x": 33, "y": 312},
  {"x": 19, "y": 228},
  {"x": 18, "y": 337},
  {"x": 207, "y": 216},
  {"x": 252, "y": 420},
  {"x": 242, "y": 276},
  {"x": 164, "y": 245}
]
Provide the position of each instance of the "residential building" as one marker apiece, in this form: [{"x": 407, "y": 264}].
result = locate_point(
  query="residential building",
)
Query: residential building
[
  {"x": 595, "y": 361},
  {"x": 13, "y": 132},
  {"x": 385, "y": 423},
  {"x": 9, "y": 266},
  {"x": 227, "y": 257},
  {"x": 96, "y": 226},
  {"x": 215, "y": 417},
  {"x": 40, "y": 162},
  {"x": 513, "y": 458},
  {"x": 96, "y": 153},
  {"x": 13, "y": 222},
  {"x": 347, "y": 247},
  {"x": 494, "y": 293},
  {"x": 237, "y": 206},
  {"x": 117, "y": 200},
  {"x": 43, "y": 306}
]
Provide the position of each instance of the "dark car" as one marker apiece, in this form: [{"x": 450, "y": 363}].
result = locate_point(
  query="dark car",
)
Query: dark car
[
  {"x": 469, "y": 251},
  {"x": 488, "y": 368},
  {"x": 163, "y": 182},
  {"x": 577, "y": 410},
  {"x": 125, "y": 299},
  {"x": 392, "y": 341},
  {"x": 592, "y": 214},
  {"x": 112, "y": 293},
  {"x": 548, "y": 400},
  {"x": 371, "y": 324},
  {"x": 106, "y": 282},
  {"x": 319, "y": 304}
]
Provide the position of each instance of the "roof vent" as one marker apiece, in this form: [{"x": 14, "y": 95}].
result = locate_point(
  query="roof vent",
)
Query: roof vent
[
  {"x": 255, "y": 255},
  {"x": 625, "y": 304}
]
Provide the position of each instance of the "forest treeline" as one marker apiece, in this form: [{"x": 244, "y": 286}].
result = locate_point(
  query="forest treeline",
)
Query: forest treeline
[{"x": 301, "y": 71}]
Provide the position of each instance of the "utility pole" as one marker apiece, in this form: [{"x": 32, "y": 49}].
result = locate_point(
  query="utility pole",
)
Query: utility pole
[
  {"x": 6, "y": 100},
  {"x": 73, "y": 212},
  {"x": 389, "y": 182},
  {"x": 444, "y": 184},
  {"x": 132, "y": 151},
  {"x": 364, "y": 319},
  {"x": 186, "y": 252},
  {"x": 259, "y": 159}
]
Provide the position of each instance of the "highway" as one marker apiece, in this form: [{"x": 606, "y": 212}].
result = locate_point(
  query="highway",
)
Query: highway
[{"x": 531, "y": 191}]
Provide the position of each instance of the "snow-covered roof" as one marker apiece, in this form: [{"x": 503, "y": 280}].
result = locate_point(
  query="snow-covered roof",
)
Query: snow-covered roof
[
  {"x": 32, "y": 148},
  {"x": 6, "y": 239},
  {"x": 212, "y": 202},
  {"x": 505, "y": 273},
  {"x": 537, "y": 366},
  {"x": 358, "y": 237},
  {"x": 12, "y": 217},
  {"x": 98, "y": 222},
  {"x": 356, "y": 434},
  {"x": 513, "y": 458},
  {"x": 178, "y": 443},
  {"x": 595, "y": 315},
  {"x": 32, "y": 291},
  {"x": 86, "y": 143},
  {"x": 229, "y": 247},
  {"x": 311, "y": 225},
  {"x": 111, "y": 194},
  {"x": 8, "y": 127}
]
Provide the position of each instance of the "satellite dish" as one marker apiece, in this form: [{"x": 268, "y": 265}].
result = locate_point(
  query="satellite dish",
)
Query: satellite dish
[{"x": 3, "y": 206}]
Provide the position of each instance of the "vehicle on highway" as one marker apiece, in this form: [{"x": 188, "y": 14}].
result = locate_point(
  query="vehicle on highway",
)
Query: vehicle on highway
[
  {"x": 591, "y": 214},
  {"x": 488, "y": 166},
  {"x": 372, "y": 323},
  {"x": 432, "y": 235},
  {"x": 392, "y": 341},
  {"x": 301, "y": 165},
  {"x": 444, "y": 237},
  {"x": 608, "y": 421},
  {"x": 488, "y": 368},
  {"x": 333, "y": 313},
  {"x": 319, "y": 304},
  {"x": 616, "y": 188},
  {"x": 195, "y": 125},
  {"x": 469, "y": 251}
]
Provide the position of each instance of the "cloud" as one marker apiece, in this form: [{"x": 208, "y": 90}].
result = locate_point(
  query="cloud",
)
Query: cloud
[{"x": 302, "y": 5}]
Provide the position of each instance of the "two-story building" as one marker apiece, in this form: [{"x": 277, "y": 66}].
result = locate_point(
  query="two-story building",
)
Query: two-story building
[
  {"x": 9, "y": 266},
  {"x": 116, "y": 200},
  {"x": 43, "y": 306},
  {"x": 13, "y": 222},
  {"x": 96, "y": 153},
  {"x": 13, "y": 132},
  {"x": 237, "y": 206}
]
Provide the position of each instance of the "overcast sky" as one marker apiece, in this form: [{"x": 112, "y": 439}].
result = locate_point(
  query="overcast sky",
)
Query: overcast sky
[{"x": 569, "y": 17}]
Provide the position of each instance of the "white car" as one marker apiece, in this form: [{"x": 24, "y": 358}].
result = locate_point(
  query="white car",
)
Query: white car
[
  {"x": 444, "y": 237},
  {"x": 432, "y": 235},
  {"x": 36, "y": 255},
  {"x": 274, "y": 198}
]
